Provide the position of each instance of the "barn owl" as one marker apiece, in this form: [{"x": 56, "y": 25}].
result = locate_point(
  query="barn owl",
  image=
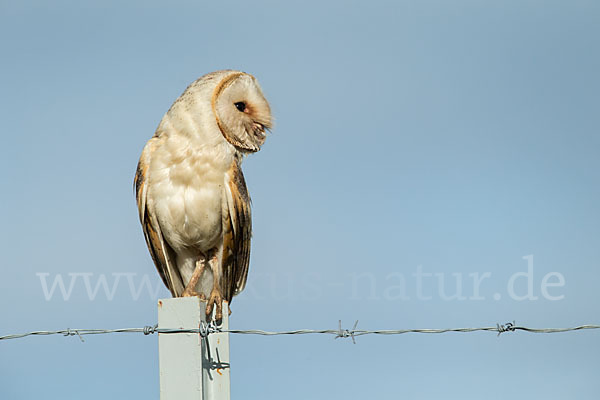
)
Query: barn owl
[{"x": 191, "y": 195}]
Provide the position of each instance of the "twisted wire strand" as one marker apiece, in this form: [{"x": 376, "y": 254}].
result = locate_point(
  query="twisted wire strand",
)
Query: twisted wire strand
[{"x": 207, "y": 329}]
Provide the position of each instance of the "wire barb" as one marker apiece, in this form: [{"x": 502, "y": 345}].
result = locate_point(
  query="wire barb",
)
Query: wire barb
[
  {"x": 149, "y": 330},
  {"x": 344, "y": 333},
  {"x": 70, "y": 332},
  {"x": 508, "y": 327}
]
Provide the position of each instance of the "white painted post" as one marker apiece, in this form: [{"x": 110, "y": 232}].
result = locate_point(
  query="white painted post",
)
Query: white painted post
[
  {"x": 192, "y": 368},
  {"x": 215, "y": 366}
]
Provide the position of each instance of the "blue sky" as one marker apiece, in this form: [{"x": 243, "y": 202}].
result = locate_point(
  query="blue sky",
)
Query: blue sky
[{"x": 450, "y": 138}]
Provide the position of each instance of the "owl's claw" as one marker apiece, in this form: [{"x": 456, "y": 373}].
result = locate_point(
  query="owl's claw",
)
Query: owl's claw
[{"x": 215, "y": 299}]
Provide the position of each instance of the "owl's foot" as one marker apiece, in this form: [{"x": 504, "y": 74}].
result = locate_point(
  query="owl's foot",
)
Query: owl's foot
[
  {"x": 188, "y": 292},
  {"x": 189, "y": 289},
  {"x": 216, "y": 298}
]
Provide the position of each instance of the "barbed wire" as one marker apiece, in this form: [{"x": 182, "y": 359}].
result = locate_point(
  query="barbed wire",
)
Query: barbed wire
[{"x": 207, "y": 329}]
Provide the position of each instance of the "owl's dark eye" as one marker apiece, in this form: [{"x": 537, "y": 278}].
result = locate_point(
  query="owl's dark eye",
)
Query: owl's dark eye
[{"x": 240, "y": 105}]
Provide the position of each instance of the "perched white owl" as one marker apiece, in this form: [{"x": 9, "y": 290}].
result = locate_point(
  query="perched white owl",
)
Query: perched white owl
[{"x": 192, "y": 198}]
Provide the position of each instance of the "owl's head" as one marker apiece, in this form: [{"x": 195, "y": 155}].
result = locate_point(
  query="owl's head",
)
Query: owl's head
[{"x": 241, "y": 110}]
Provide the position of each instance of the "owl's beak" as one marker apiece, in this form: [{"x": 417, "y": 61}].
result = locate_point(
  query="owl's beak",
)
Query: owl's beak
[{"x": 259, "y": 132}]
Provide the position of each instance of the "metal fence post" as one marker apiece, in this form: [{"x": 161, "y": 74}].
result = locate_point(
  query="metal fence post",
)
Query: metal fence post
[{"x": 192, "y": 368}]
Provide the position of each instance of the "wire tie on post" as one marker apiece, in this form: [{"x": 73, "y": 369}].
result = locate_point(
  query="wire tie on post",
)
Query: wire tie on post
[
  {"x": 344, "y": 333},
  {"x": 208, "y": 328},
  {"x": 148, "y": 330},
  {"x": 508, "y": 327}
]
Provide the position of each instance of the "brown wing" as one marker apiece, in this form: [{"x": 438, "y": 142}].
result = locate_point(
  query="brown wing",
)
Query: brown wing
[
  {"x": 162, "y": 254},
  {"x": 237, "y": 230}
]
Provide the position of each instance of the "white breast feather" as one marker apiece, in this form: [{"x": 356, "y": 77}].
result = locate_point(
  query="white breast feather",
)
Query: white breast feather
[{"x": 187, "y": 177}]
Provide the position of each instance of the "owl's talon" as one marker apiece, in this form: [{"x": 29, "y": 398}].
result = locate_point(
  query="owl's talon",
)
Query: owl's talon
[{"x": 215, "y": 299}]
